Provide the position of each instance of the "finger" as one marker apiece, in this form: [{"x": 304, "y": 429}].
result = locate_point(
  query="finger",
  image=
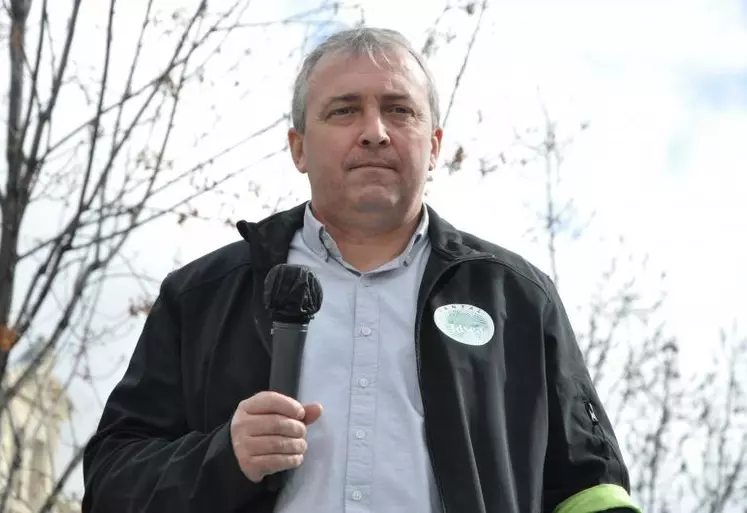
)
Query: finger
[
  {"x": 272, "y": 424},
  {"x": 268, "y": 445},
  {"x": 312, "y": 413},
  {"x": 272, "y": 402},
  {"x": 271, "y": 463}
]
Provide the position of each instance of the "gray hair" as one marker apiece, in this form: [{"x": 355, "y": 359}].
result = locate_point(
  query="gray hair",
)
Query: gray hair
[{"x": 374, "y": 42}]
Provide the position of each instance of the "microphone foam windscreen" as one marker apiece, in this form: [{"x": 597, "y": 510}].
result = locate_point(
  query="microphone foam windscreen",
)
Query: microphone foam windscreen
[{"x": 292, "y": 293}]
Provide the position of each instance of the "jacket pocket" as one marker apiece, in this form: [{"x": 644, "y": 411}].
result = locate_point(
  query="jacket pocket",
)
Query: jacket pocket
[{"x": 596, "y": 422}]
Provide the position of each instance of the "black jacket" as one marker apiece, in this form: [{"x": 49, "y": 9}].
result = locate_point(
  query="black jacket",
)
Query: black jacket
[{"x": 512, "y": 426}]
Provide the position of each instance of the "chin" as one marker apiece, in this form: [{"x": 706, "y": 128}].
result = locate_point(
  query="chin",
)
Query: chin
[{"x": 375, "y": 203}]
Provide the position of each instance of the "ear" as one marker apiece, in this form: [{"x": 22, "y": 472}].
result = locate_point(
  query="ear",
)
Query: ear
[
  {"x": 295, "y": 143},
  {"x": 435, "y": 148}
]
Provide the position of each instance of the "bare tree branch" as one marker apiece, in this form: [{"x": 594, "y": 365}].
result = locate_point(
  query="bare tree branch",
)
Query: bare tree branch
[
  {"x": 718, "y": 402},
  {"x": 45, "y": 116},
  {"x": 15, "y": 463},
  {"x": 48, "y": 271},
  {"x": 467, "y": 54},
  {"x": 35, "y": 75},
  {"x": 70, "y": 467}
]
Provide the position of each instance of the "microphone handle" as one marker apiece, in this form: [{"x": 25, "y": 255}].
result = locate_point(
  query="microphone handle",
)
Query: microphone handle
[{"x": 288, "y": 341}]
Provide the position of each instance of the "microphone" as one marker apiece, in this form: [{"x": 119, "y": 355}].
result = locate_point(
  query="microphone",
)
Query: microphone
[{"x": 292, "y": 295}]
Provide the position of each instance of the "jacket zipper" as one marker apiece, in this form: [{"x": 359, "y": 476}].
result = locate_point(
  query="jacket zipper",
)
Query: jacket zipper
[
  {"x": 597, "y": 428},
  {"x": 591, "y": 413},
  {"x": 421, "y": 308}
]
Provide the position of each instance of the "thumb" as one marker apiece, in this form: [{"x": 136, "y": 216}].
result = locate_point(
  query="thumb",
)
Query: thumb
[{"x": 312, "y": 412}]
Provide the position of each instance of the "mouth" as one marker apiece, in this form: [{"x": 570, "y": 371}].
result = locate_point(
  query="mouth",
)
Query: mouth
[{"x": 373, "y": 165}]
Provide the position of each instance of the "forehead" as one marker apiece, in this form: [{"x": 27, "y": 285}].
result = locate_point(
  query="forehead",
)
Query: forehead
[{"x": 395, "y": 71}]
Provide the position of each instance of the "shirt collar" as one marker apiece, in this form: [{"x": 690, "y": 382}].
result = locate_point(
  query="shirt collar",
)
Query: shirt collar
[{"x": 318, "y": 239}]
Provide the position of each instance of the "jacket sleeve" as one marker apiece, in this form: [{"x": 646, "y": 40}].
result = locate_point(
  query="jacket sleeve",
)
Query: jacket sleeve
[
  {"x": 584, "y": 469},
  {"x": 143, "y": 457}
]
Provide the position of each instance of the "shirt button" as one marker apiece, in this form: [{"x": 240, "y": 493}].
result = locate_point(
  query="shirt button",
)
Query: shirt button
[
  {"x": 363, "y": 382},
  {"x": 357, "y": 495},
  {"x": 365, "y": 331},
  {"x": 360, "y": 434}
]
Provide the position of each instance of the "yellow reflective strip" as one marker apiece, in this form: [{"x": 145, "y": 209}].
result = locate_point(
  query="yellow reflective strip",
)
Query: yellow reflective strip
[{"x": 598, "y": 498}]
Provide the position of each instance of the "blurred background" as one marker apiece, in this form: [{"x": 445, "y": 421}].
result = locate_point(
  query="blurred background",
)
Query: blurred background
[{"x": 605, "y": 141}]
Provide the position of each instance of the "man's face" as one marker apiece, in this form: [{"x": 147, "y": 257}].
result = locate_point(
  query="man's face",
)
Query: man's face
[{"x": 369, "y": 142}]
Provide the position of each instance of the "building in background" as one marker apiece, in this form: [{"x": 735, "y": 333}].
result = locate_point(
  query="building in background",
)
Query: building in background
[{"x": 33, "y": 422}]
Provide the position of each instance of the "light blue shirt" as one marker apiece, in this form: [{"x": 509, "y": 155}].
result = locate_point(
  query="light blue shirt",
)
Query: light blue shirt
[{"x": 367, "y": 452}]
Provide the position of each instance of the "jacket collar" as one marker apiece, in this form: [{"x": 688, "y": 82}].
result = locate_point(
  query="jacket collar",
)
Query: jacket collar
[
  {"x": 271, "y": 237},
  {"x": 317, "y": 238},
  {"x": 270, "y": 240}
]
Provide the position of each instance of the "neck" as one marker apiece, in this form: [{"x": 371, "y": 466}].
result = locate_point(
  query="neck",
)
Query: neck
[{"x": 367, "y": 247}]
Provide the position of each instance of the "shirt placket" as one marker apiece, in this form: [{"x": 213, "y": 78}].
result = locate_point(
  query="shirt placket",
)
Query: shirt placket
[{"x": 360, "y": 462}]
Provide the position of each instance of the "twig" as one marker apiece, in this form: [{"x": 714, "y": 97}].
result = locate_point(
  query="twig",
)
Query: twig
[{"x": 459, "y": 76}]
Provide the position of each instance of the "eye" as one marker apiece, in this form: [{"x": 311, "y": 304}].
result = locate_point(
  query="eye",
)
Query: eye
[
  {"x": 341, "y": 111},
  {"x": 400, "y": 110}
]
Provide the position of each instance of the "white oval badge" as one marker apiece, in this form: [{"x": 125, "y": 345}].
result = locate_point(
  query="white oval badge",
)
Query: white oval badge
[{"x": 466, "y": 324}]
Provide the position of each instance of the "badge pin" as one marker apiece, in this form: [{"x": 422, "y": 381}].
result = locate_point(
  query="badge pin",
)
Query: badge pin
[{"x": 467, "y": 324}]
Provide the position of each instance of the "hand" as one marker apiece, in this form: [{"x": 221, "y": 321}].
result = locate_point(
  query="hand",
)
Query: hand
[{"x": 268, "y": 433}]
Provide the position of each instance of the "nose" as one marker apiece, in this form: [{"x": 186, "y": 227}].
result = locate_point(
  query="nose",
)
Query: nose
[{"x": 374, "y": 132}]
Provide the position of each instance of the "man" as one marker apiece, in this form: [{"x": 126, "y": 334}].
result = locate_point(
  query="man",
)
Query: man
[{"x": 440, "y": 375}]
